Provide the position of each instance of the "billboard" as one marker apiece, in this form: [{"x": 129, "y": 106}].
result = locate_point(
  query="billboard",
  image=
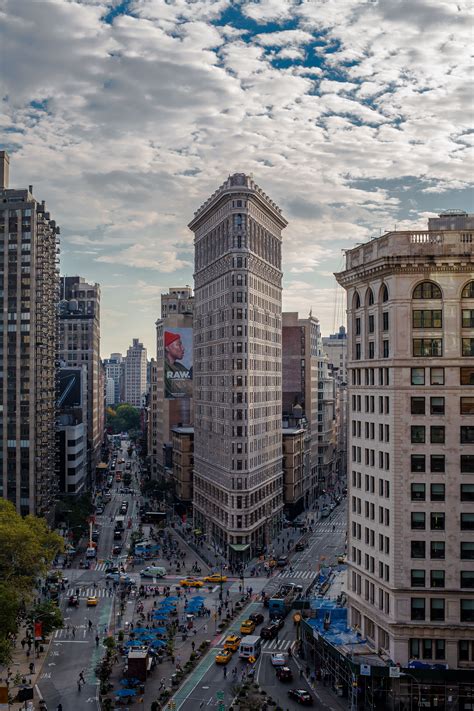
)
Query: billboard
[
  {"x": 70, "y": 388},
  {"x": 178, "y": 363}
]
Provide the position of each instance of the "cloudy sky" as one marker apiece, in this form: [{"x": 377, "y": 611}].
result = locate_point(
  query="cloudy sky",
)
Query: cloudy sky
[{"x": 355, "y": 116}]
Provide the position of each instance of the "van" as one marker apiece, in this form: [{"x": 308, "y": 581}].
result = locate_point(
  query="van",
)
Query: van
[
  {"x": 250, "y": 647},
  {"x": 91, "y": 553}
]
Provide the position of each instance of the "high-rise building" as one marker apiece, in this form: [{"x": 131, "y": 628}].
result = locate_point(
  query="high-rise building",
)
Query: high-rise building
[
  {"x": 301, "y": 356},
  {"x": 410, "y": 301},
  {"x": 114, "y": 371},
  {"x": 238, "y": 480},
  {"x": 335, "y": 348},
  {"x": 135, "y": 374},
  {"x": 28, "y": 351},
  {"x": 79, "y": 337},
  {"x": 171, "y": 403},
  {"x": 72, "y": 429}
]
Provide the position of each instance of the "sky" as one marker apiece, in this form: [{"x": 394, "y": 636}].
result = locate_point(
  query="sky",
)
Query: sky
[{"x": 354, "y": 116}]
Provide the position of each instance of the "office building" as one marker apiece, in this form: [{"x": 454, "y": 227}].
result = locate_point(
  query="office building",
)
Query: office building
[
  {"x": 178, "y": 300},
  {"x": 410, "y": 301},
  {"x": 335, "y": 348},
  {"x": 28, "y": 351},
  {"x": 79, "y": 337},
  {"x": 183, "y": 462},
  {"x": 238, "y": 480},
  {"x": 296, "y": 446},
  {"x": 114, "y": 371},
  {"x": 72, "y": 429},
  {"x": 135, "y": 374}
]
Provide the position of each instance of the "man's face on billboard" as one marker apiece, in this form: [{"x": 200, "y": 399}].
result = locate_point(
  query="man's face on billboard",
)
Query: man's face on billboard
[{"x": 176, "y": 349}]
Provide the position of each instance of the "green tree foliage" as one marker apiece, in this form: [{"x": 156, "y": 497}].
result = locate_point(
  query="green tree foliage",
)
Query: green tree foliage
[
  {"x": 124, "y": 418},
  {"x": 48, "y": 614},
  {"x": 75, "y": 513},
  {"x": 27, "y": 547}
]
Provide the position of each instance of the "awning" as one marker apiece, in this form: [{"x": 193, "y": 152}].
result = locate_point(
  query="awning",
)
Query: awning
[{"x": 239, "y": 547}]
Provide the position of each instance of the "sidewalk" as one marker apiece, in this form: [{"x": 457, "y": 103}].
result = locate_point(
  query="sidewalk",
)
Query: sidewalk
[{"x": 17, "y": 674}]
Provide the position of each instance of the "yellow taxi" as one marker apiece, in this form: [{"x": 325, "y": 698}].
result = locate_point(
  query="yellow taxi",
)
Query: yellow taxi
[
  {"x": 232, "y": 642},
  {"x": 92, "y": 601},
  {"x": 215, "y": 578},
  {"x": 247, "y": 627},
  {"x": 191, "y": 583},
  {"x": 224, "y": 656}
]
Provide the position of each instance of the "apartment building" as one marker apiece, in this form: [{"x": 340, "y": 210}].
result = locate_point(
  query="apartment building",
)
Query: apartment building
[
  {"x": 238, "y": 480},
  {"x": 29, "y": 242},
  {"x": 114, "y": 375},
  {"x": 135, "y": 372},
  {"x": 410, "y": 301}
]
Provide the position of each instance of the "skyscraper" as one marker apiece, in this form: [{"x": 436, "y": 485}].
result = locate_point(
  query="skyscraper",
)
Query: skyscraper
[
  {"x": 114, "y": 371},
  {"x": 410, "y": 300},
  {"x": 28, "y": 350},
  {"x": 135, "y": 374},
  {"x": 238, "y": 481},
  {"x": 79, "y": 335}
]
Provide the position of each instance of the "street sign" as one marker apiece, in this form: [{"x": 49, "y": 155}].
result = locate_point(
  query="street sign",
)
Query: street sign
[
  {"x": 394, "y": 672},
  {"x": 220, "y": 695},
  {"x": 221, "y": 707},
  {"x": 365, "y": 669}
]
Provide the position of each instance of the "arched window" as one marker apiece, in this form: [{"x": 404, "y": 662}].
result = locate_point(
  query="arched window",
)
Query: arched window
[
  {"x": 356, "y": 300},
  {"x": 468, "y": 291},
  {"x": 384, "y": 293},
  {"x": 427, "y": 290},
  {"x": 369, "y": 297}
]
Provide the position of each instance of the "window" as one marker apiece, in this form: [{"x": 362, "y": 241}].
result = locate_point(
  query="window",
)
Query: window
[
  {"x": 467, "y": 522},
  {"x": 468, "y": 347},
  {"x": 467, "y": 578},
  {"x": 467, "y": 463},
  {"x": 357, "y": 353},
  {"x": 427, "y": 318},
  {"x": 417, "y": 405},
  {"x": 384, "y": 293},
  {"x": 467, "y": 434},
  {"x": 418, "y": 463},
  {"x": 467, "y": 492},
  {"x": 467, "y": 406},
  {"x": 371, "y": 350},
  {"x": 418, "y": 434},
  {"x": 440, "y": 649},
  {"x": 437, "y": 376},
  {"x": 437, "y": 609},
  {"x": 418, "y": 492},
  {"x": 467, "y": 550},
  {"x": 467, "y": 610},
  {"x": 385, "y": 321},
  {"x": 356, "y": 300},
  {"x": 463, "y": 650},
  {"x": 427, "y": 290},
  {"x": 437, "y": 434},
  {"x": 437, "y": 463},
  {"x": 468, "y": 291},
  {"x": 437, "y": 405},
  {"x": 418, "y": 521},
  {"x": 371, "y": 324},
  {"x": 437, "y": 521},
  {"x": 385, "y": 349},
  {"x": 437, "y": 550},
  {"x": 437, "y": 579},
  {"x": 417, "y": 376},
  {"x": 467, "y": 376},
  {"x": 427, "y": 347},
  {"x": 468, "y": 318},
  {"x": 418, "y": 578},
  {"x": 357, "y": 324},
  {"x": 418, "y": 608},
  {"x": 370, "y": 297},
  {"x": 418, "y": 549}
]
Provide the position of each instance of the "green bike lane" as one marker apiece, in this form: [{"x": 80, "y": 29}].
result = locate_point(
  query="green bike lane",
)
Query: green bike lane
[{"x": 215, "y": 682}]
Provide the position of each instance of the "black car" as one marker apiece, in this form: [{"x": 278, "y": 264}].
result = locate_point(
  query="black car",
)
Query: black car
[
  {"x": 284, "y": 674},
  {"x": 117, "y": 549},
  {"x": 269, "y": 632},
  {"x": 257, "y": 617},
  {"x": 117, "y": 535},
  {"x": 282, "y": 561},
  {"x": 278, "y": 621},
  {"x": 300, "y": 546},
  {"x": 301, "y": 696}
]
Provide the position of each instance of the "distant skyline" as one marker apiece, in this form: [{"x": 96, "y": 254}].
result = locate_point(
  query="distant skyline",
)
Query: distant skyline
[{"x": 355, "y": 116}]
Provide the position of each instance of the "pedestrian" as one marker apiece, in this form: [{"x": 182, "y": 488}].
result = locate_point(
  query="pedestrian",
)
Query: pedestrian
[
  {"x": 32, "y": 667},
  {"x": 97, "y": 640},
  {"x": 90, "y": 624},
  {"x": 59, "y": 707},
  {"x": 205, "y": 629},
  {"x": 225, "y": 672},
  {"x": 23, "y": 642},
  {"x": 193, "y": 645},
  {"x": 73, "y": 629},
  {"x": 81, "y": 677}
]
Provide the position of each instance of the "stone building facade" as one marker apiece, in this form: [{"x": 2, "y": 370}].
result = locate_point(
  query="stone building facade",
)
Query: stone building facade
[
  {"x": 410, "y": 300},
  {"x": 238, "y": 481}
]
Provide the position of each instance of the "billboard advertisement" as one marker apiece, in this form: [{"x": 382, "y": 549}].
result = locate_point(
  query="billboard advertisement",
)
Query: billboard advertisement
[
  {"x": 178, "y": 363},
  {"x": 70, "y": 388}
]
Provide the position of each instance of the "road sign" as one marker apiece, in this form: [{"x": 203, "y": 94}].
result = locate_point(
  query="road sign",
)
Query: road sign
[
  {"x": 220, "y": 695},
  {"x": 394, "y": 672},
  {"x": 365, "y": 670}
]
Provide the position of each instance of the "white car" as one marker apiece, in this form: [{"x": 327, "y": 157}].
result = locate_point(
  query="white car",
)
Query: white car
[
  {"x": 152, "y": 571},
  {"x": 278, "y": 660}
]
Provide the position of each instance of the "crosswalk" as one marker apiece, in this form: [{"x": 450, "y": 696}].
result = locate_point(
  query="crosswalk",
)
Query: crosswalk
[
  {"x": 89, "y": 592},
  {"x": 275, "y": 644},
  {"x": 301, "y": 574},
  {"x": 340, "y": 526}
]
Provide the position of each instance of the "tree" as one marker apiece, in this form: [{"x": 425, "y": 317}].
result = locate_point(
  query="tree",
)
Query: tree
[
  {"x": 124, "y": 418},
  {"x": 48, "y": 614}
]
